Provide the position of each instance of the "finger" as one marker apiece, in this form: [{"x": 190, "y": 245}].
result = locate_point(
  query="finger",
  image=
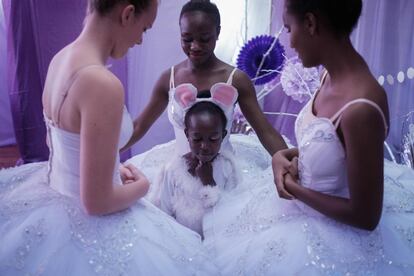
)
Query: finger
[
  {"x": 125, "y": 172},
  {"x": 293, "y": 169},
  {"x": 137, "y": 174},
  {"x": 281, "y": 187}
]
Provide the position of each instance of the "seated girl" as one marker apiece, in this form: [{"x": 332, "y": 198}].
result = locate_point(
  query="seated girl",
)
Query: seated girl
[{"x": 190, "y": 184}]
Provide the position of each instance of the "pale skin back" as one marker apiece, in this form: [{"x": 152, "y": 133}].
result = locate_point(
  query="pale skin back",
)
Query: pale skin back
[
  {"x": 93, "y": 106},
  {"x": 361, "y": 127}
]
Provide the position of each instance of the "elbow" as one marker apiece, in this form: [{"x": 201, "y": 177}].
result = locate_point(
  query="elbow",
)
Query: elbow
[
  {"x": 369, "y": 225},
  {"x": 93, "y": 208},
  {"x": 145, "y": 186},
  {"x": 369, "y": 222}
]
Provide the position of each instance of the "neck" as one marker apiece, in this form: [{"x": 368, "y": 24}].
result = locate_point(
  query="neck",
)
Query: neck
[
  {"x": 208, "y": 65},
  {"x": 95, "y": 36},
  {"x": 341, "y": 57}
]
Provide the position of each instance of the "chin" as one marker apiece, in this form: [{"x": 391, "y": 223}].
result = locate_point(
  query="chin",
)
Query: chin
[
  {"x": 118, "y": 54},
  {"x": 205, "y": 158},
  {"x": 308, "y": 63}
]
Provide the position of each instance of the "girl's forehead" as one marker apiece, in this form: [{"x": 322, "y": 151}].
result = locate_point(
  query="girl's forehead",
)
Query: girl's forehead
[
  {"x": 204, "y": 120},
  {"x": 197, "y": 17}
]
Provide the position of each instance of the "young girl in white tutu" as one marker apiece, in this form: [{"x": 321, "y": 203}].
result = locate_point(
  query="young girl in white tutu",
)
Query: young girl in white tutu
[{"x": 191, "y": 184}]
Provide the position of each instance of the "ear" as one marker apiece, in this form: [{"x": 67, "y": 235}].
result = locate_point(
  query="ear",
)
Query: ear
[
  {"x": 186, "y": 132},
  {"x": 224, "y": 133},
  {"x": 218, "y": 31},
  {"x": 311, "y": 23},
  {"x": 128, "y": 13}
]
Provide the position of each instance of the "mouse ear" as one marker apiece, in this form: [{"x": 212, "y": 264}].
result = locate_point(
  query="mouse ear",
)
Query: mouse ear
[
  {"x": 185, "y": 95},
  {"x": 224, "y": 94}
]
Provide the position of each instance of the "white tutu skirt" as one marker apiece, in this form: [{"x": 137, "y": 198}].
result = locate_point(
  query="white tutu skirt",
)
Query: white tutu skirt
[
  {"x": 251, "y": 231},
  {"x": 43, "y": 232}
]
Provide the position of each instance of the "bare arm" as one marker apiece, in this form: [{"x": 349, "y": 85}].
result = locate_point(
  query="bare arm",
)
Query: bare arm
[
  {"x": 363, "y": 131},
  {"x": 100, "y": 105},
  {"x": 268, "y": 136},
  {"x": 153, "y": 110}
]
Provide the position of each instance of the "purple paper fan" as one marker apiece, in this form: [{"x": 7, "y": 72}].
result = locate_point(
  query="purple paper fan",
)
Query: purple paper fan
[{"x": 251, "y": 55}]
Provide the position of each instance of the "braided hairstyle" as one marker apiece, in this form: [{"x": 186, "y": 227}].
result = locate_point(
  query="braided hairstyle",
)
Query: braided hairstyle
[{"x": 205, "y": 6}]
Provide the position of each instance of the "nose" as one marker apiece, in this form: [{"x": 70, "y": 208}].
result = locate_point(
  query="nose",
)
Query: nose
[
  {"x": 204, "y": 145},
  {"x": 195, "y": 45}
]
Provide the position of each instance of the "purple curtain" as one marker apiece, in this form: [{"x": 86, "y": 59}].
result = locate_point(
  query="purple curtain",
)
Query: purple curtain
[{"x": 36, "y": 31}]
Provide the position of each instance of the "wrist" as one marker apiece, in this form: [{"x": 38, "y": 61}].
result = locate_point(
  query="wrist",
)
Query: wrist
[{"x": 208, "y": 181}]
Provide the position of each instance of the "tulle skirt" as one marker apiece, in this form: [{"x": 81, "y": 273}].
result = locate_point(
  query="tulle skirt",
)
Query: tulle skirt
[
  {"x": 251, "y": 231},
  {"x": 43, "y": 232}
]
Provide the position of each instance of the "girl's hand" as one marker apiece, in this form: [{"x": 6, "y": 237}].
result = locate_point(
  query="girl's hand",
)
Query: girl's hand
[
  {"x": 290, "y": 182},
  {"x": 204, "y": 171},
  {"x": 282, "y": 166},
  {"x": 129, "y": 173},
  {"x": 192, "y": 163}
]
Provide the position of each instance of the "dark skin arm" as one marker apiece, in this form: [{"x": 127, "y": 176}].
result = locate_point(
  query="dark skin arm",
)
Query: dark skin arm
[
  {"x": 155, "y": 107},
  {"x": 247, "y": 99},
  {"x": 364, "y": 134}
]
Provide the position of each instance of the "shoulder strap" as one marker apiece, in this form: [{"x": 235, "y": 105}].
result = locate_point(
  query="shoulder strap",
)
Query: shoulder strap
[
  {"x": 172, "y": 83},
  {"x": 324, "y": 75},
  {"x": 230, "y": 79},
  {"x": 69, "y": 85},
  {"x": 337, "y": 116}
]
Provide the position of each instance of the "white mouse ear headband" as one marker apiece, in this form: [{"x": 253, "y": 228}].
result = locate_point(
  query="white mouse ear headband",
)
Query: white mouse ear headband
[{"x": 185, "y": 96}]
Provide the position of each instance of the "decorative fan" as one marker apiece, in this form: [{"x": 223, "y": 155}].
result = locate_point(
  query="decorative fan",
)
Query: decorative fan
[{"x": 261, "y": 58}]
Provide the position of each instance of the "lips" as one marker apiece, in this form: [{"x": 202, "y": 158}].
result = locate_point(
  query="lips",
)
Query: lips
[
  {"x": 205, "y": 156},
  {"x": 196, "y": 54}
]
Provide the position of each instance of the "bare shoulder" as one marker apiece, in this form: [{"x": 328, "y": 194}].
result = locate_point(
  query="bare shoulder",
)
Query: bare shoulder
[
  {"x": 367, "y": 87},
  {"x": 362, "y": 117},
  {"x": 164, "y": 79},
  {"x": 242, "y": 81},
  {"x": 98, "y": 85}
]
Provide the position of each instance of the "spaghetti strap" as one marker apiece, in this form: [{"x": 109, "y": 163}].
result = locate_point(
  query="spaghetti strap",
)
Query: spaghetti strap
[
  {"x": 336, "y": 118},
  {"x": 230, "y": 79},
  {"x": 323, "y": 78},
  {"x": 172, "y": 83},
  {"x": 324, "y": 75},
  {"x": 68, "y": 86}
]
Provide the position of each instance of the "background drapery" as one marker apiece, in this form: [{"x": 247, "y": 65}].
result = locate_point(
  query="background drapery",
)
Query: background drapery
[
  {"x": 6, "y": 124},
  {"x": 37, "y": 29}
]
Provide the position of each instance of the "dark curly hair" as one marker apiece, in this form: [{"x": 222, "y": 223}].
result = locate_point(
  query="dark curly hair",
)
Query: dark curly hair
[
  {"x": 105, "y": 6},
  {"x": 205, "y": 6},
  {"x": 342, "y": 16}
]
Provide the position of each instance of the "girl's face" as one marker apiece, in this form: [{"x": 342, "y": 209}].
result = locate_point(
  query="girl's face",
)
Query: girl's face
[
  {"x": 198, "y": 36},
  {"x": 302, "y": 36},
  {"x": 136, "y": 26},
  {"x": 205, "y": 134}
]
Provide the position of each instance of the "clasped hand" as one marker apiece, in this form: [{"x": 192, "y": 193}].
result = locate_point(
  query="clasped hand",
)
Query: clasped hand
[
  {"x": 201, "y": 170},
  {"x": 129, "y": 173},
  {"x": 285, "y": 172}
]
